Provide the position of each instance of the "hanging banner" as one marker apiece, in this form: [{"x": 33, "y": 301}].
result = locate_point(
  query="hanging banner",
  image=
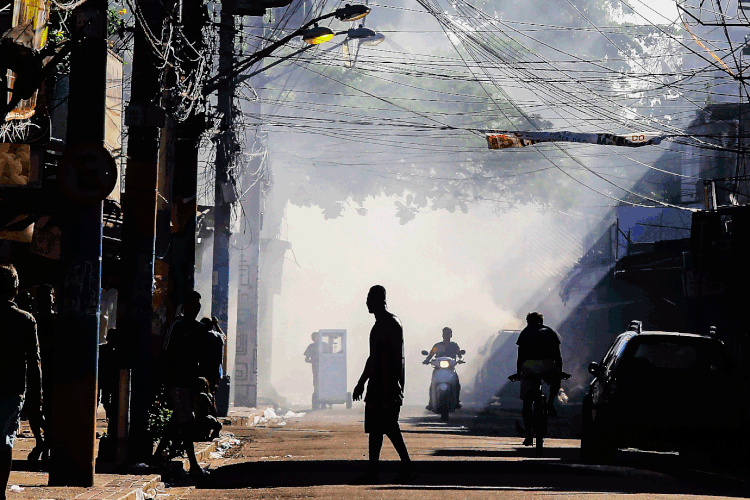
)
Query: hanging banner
[
  {"x": 503, "y": 140},
  {"x": 30, "y": 30}
]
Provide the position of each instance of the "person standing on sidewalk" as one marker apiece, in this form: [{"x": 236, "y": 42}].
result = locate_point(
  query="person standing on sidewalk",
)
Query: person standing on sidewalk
[
  {"x": 20, "y": 369},
  {"x": 36, "y": 419},
  {"x": 183, "y": 351},
  {"x": 312, "y": 356},
  {"x": 213, "y": 353},
  {"x": 384, "y": 375},
  {"x": 46, "y": 322}
]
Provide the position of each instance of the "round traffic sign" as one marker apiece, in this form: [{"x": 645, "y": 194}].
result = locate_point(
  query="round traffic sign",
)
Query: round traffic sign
[{"x": 87, "y": 173}]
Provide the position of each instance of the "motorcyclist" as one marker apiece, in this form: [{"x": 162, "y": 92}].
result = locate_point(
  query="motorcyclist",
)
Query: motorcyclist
[
  {"x": 538, "y": 353},
  {"x": 447, "y": 349}
]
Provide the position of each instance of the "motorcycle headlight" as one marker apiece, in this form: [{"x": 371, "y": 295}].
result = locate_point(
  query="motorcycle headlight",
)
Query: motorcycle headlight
[{"x": 445, "y": 364}]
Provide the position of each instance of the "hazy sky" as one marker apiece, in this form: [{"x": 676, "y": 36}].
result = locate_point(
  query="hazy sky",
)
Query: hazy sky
[
  {"x": 435, "y": 269},
  {"x": 656, "y": 11}
]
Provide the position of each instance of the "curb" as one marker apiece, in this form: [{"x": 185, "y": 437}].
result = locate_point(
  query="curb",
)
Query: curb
[
  {"x": 204, "y": 453},
  {"x": 133, "y": 487},
  {"x": 130, "y": 488},
  {"x": 237, "y": 421},
  {"x": 134, "y": 494}
]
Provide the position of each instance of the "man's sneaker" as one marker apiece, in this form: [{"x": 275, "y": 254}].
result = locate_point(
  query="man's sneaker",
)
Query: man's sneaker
[
  {"x": 199, "y": 473},
  {"x": 529, "y": 441},
  {"x": 35, "y": 453}
]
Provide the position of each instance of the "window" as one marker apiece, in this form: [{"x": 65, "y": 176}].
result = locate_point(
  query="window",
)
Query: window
[
  {"x": 615, "y": 352},
  {"x": 691, "y": 355},
  {"x": 331, "y": 344}
]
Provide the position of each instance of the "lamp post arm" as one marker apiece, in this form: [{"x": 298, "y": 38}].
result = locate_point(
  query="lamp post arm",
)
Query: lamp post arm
[
  {"x": 214, "y": 83},
  {"x": 242, "y": 78}
]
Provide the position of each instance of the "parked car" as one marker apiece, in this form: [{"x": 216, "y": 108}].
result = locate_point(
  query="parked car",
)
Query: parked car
[
  {"x": 493, "y": 363},
  {"x": 663, "y": 391}
]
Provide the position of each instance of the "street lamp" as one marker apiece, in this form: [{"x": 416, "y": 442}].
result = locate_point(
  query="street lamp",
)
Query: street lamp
[
  {"x": 346, "y": 13},
  {"x": 317, "y": 35},
  {"x": 321, "y": 34},
  {"x": 371, "y": 41},
  {"x": 351, "y": 12},
  {"x": 366, "y": 36}
]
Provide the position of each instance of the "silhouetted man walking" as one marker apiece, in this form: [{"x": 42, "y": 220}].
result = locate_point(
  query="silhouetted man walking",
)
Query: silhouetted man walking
[
  {"x": 46, "y": 329},
  {"x": 384, "y": 374},
  {"x": 183, "y": 350},
  {"x": 20, "y": 372},
  {"x": 213, "y": 353}
]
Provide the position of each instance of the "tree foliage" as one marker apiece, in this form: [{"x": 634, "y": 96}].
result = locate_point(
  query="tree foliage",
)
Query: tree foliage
[{"x": 435, "y": 161}]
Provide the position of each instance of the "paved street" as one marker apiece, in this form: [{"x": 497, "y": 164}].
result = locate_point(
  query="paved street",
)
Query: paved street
[{"x": 472, "y": 456}]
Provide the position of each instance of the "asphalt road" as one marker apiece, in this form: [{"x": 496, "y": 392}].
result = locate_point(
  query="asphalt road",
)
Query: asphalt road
[{"x": 474, "y": 455}]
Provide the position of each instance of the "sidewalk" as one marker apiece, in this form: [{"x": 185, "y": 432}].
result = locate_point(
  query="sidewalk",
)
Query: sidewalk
[
  {"x": 264, "y": 416},
  {"x": 28, "y": 480}
]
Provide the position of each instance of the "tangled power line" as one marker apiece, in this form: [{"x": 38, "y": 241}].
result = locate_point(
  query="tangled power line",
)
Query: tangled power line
[{"x": 643, "y": 72}]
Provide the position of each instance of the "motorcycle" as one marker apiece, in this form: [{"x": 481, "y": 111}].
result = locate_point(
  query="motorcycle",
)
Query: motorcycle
[{"x": 444, "y": 385}]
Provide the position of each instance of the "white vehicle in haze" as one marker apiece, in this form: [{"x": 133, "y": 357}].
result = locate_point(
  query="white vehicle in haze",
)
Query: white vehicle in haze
[{"x": 331, "y": 377}]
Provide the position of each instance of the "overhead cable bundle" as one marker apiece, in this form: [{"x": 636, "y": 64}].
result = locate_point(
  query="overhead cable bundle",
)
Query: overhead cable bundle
[{"x": 520, "y": 139}]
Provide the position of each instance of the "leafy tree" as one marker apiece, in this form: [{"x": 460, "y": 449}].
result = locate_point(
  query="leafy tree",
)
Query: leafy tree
[{"x": 440, "y": 101}]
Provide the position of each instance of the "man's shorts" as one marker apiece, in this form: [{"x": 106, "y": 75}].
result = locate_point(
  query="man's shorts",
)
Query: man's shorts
[
  {"x": 381, "y": 418},
  {"x": 182, "y": 404},
  {"x": 544, "y": 367},
  {"x": 10, "y": 418}
]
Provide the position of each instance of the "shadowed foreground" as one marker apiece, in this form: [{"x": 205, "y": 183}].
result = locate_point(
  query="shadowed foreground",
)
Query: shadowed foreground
[{"x": 547, "y": 474}]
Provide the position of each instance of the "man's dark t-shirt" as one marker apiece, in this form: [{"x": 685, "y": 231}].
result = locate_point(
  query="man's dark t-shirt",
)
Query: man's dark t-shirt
[
  {"x": 385, "y": 366},
  {"x": 451, "y": 351},
  {"x": 20, "y": 365},
  {"x": 538, "y": 342},
  {"x": 46, "y": 324},
  {"x": 109, "y": 369},
  {"x": 183, "y": 350},
  {"x": 312, "y": 353}
]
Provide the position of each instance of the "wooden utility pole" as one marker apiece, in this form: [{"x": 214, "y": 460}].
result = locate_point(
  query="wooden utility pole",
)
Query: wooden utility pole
[
  {"x": 74, "y": 410},
  {"x": 184, "y": 201},
  {"x": 226, "y": 149},
  {"x": 143, "y": 117}
]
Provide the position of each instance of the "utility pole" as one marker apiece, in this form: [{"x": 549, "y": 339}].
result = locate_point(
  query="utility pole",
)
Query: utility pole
[
  {"x": 248, "y": 276},
  {"x": 184, "y": 200},
  {"x": 226, "y": 148},
  {"x": 74, "y": 422},
  {"x": 246, "y": 354},
  {"x": 143, "y": 117},
  {"x": 184, "y": 210},
  {"x": 164, "y": 309},
  {"x": 225, "y": 82}
]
